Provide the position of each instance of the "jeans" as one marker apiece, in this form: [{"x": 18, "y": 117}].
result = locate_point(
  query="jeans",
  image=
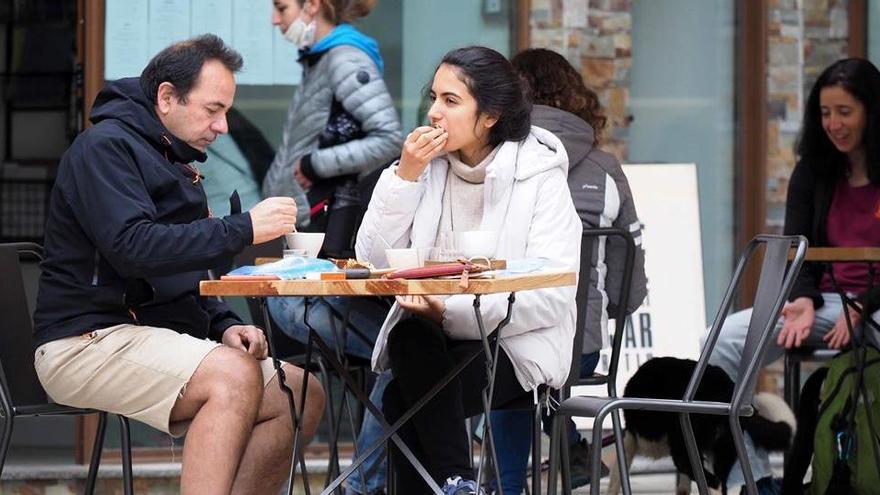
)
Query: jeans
[
  {"x": 366, "y": 316},
  {"x": 728, "y": 351},
  {"x": 512, "y": 438},
  {"x": 374, "y": 468}
]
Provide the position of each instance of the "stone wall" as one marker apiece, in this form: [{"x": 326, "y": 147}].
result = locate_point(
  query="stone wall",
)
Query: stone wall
[
  {"x": 596, "y": 37},
  {"x": 804, "y": 37}
]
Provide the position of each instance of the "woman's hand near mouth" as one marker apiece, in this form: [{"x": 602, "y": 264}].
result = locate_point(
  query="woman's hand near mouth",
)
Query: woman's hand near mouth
[{"x": 421, "y": 146}]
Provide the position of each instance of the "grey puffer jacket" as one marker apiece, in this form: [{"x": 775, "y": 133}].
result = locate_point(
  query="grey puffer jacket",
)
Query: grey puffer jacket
[
  {"x": 347, "y": 75},
  {"x": 602, "y": 198}
]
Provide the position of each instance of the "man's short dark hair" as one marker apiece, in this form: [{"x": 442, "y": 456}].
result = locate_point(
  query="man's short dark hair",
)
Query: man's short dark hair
[{"x": 181, "y": 63}]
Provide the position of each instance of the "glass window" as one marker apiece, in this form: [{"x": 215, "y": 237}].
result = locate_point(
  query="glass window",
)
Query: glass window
[
  {"x": 874, "y": 31},
  {"x": 682, "y": 105},
  {"x": 409, "y": 39}
]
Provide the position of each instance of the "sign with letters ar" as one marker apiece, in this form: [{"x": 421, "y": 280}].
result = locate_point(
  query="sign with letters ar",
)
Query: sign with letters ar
[{"x": 673, "y": 317}]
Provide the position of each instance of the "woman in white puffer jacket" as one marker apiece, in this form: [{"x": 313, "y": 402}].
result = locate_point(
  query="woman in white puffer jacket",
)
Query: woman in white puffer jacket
[{"x": 479, "y": 166}]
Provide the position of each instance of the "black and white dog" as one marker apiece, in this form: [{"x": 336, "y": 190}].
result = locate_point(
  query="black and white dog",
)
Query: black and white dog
[{"x": 657, "y": 435}]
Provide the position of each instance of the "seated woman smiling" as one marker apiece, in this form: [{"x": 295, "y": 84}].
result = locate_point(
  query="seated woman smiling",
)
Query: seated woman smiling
[{"x": 480, "y": 165}]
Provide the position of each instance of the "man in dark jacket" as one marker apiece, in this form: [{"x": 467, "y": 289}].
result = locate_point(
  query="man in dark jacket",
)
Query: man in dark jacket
[{"x": 119, "y": 322}]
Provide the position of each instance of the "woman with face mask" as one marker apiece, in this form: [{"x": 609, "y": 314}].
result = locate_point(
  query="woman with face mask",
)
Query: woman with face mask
[
  {"x": 341, "y": 125},
  {"x": 480, "y": 165}
]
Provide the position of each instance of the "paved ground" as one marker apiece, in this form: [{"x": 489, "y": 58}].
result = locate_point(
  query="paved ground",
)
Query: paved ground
[{"x": 45, "y": 473}]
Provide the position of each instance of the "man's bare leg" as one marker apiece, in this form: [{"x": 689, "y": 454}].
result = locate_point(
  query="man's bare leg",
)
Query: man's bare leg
[
  {"x": 266, "y": 460},
  {"x": 222, "y": 399}
]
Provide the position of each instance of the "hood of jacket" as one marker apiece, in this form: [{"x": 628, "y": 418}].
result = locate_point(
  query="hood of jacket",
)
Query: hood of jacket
[
  {"x": 539, "y": 152},
  {"x": 571, "y": 129},
  {"x": 124, "y": 100},
  {"x": 346, "y": 34}
]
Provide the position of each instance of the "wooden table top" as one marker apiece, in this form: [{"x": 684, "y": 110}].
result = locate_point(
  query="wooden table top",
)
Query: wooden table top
[
  {"x": 385, "y": 287},
  {"x": 841, "y": 254}
]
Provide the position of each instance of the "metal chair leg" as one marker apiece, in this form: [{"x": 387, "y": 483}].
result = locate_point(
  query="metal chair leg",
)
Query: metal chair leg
[
  {"x": 789, "y": 381},
  {"x": 565, "y": 456},
  {"x": 332, "y": 425},
  {"x": 6, "y": 438},
  {"x": 390, "y": 474},
  {"x": 555, "y": 452},
  {"x": 97, "y": 449},
  {"x": 621, "y": 452},
  {"x": 596, "y": 455},
  {"x": 743, "y": 456},
  {"x": 125, "y": 445},
  {"x": 565, "y": 464},
  {"x": 536, "y": 452},
  {"x": 693, "y": 451}
]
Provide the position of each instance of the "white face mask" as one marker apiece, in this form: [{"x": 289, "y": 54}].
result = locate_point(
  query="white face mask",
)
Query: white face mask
[{"x": 300, "y": 33}]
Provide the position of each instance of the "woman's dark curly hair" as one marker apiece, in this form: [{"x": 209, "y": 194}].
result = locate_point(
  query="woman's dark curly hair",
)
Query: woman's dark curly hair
[
  {"x": 552, "y": 81},
  {"x": 861, "y": 79}
]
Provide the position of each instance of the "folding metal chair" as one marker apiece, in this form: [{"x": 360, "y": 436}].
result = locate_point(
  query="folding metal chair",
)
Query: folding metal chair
[
  {"x": 776, "y": 279},
  {"x": 526, "y": 402},
  {"x": 609, "y": 379},
  {"x": 21, "y": 394}
]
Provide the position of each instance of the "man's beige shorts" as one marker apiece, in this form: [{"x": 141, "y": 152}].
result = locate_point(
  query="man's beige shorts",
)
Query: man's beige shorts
[{"x": 136, "y": 371}]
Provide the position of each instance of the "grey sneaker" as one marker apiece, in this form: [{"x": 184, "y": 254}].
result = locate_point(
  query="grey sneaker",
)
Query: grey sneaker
[
  {"x": 456, "y": 485},
  {"x": 579, "y": 455}
]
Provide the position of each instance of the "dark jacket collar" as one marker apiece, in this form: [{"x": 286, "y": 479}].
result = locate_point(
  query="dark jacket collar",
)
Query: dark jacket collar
[{"x": 125, "y": 101}]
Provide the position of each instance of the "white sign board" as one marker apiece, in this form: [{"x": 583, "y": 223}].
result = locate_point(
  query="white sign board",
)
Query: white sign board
[
  {"x": 135, "y": 30},
  {"x": 673, "y": 317}
]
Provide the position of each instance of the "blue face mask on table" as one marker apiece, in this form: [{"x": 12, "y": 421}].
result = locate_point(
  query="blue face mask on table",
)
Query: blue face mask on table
[{"x": 290, "y": 268}]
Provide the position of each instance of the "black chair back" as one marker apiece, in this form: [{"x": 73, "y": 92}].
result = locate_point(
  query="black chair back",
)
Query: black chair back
[
  {"x": 18, "y": 378},
  {"x": 774, "y": 285},
  {"x": 582, "y": 296}
]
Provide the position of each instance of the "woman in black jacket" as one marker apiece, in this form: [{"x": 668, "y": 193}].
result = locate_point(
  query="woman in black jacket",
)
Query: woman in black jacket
[{"x": 833, "y": 200}]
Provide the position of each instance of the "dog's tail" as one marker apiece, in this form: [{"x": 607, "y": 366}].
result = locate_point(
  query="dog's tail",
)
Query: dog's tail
[{"x": 774, "y": 426}]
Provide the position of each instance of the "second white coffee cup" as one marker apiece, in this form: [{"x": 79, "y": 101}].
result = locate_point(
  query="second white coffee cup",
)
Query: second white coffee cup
[
  {"x": 310, "y": 241},
  {"x": 400, "y": 259}
]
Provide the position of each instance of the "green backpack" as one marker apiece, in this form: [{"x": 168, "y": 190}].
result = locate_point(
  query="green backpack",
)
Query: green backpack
[{"x": 846, "y": 455}]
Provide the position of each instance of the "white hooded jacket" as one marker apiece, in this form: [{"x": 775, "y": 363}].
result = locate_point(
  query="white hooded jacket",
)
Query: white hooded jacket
[{"x": 526, "y": 200}]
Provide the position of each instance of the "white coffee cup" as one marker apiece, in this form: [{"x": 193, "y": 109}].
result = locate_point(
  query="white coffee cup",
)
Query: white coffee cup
[
  {"x": 477, "y": 243},
  {"x": 400, "y": 259},
  {"x": 310, "y": 241}
]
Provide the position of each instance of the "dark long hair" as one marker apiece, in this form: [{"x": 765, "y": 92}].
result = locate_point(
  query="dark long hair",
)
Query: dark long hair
[
  {"x": 491, "y": 80},
  {"x": 552, "y": 81},
  {"x": 861, "y": 79}
]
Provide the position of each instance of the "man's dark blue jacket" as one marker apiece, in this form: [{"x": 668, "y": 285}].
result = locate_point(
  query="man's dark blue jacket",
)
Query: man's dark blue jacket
[{"x": 128, "y": 235}]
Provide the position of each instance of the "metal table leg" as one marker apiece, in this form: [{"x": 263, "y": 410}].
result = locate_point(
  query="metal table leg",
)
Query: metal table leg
[
  {"x": 390, "y": 430},
  {"x": 489, "y": 390},
  {"x": 295, "y": 415},
  {"x": 340, "y": 341}
]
